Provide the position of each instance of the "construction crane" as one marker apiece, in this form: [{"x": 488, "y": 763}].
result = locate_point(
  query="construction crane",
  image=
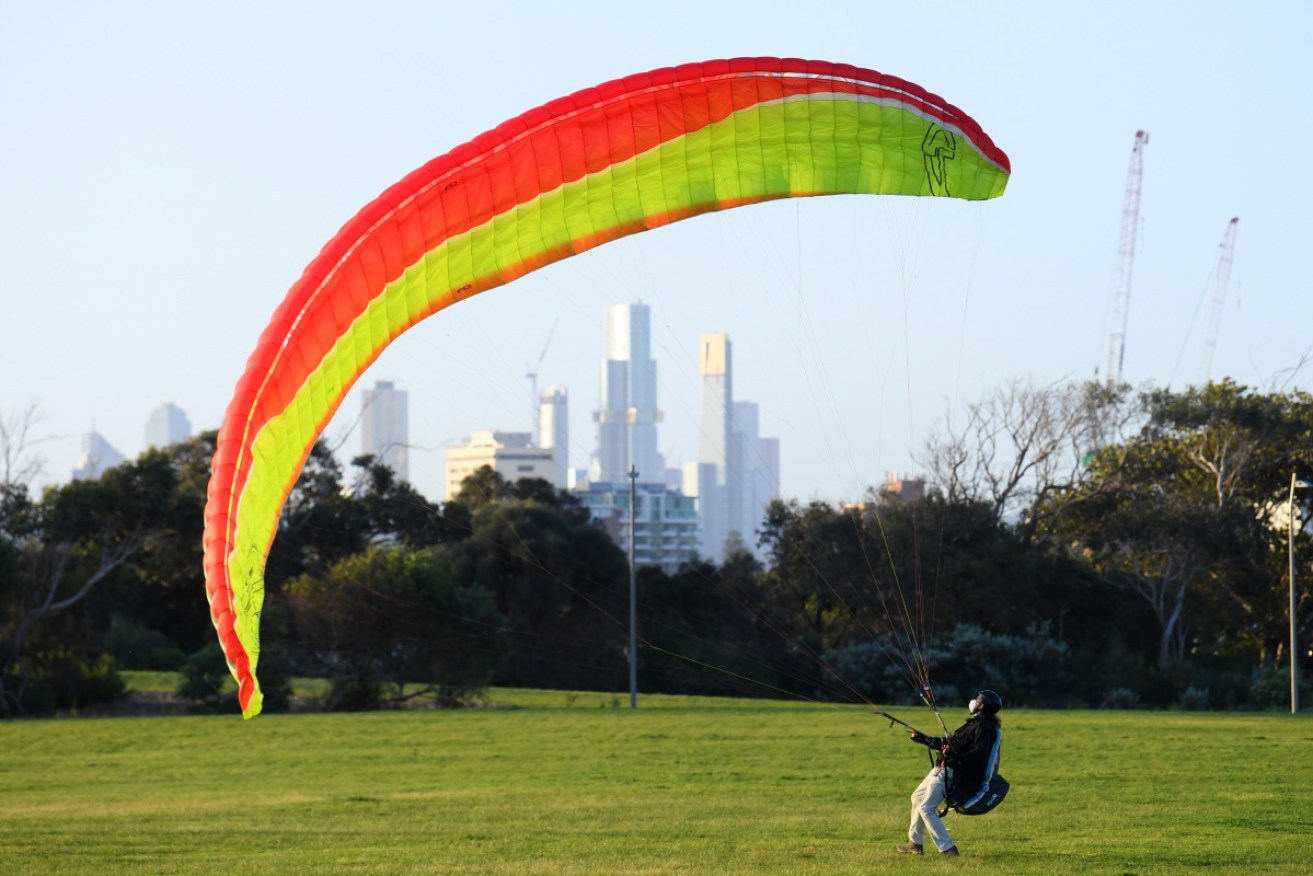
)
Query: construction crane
[
  {"x": 1221, "y": 277},
  {"x": 1126, "y": 259},
  {"x": 532, "y": 375}
]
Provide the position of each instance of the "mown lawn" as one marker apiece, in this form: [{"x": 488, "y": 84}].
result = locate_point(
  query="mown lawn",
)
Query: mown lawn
[{"x": 550, "y": 783}]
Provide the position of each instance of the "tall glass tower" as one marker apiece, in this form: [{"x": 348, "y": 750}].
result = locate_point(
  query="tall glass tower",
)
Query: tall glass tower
[
  {"x": 716, "y": 446},
  {"x": 628, "y": 418},
  {"x": 737, "y": 472}
]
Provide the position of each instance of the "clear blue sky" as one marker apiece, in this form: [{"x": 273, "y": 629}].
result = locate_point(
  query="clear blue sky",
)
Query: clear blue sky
[{"x": 168, "y": 169}]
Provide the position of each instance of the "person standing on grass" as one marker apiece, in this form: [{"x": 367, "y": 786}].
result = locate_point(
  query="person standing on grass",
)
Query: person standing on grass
[{"x": 968, "y": 759}]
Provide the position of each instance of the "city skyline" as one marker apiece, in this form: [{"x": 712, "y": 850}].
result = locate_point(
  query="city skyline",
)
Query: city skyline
[
  {"x": 734, "y": 475},
  {"x": 382, "y": 424}
]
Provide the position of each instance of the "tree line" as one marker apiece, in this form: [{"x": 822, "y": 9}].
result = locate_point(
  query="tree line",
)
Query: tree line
[{"x": 1079, "y": 545}]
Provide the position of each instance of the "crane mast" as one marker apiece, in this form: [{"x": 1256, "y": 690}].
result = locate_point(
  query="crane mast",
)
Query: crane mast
[
  {"x": 531, "y": 374},
  {"x": 1221, "y": 277},
  {"x": 1126, "y": 260}
]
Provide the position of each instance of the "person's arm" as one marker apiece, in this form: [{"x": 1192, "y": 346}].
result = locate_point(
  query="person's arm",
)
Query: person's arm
[{"x": 935, "y": 742}]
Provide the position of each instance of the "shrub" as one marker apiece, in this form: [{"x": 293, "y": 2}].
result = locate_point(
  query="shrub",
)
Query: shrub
[
  {"x": 202, "y": 679},
  {"x": 137, "y": 647},
  {"x": 203, "y": 682},
  {"x": 863, "y": 665},
  {"x": 1120, "y": 698},
  {"x": 354, "y": 694},
  {"x": 1195, "y": 699},
  {"x": 1031, "y": 669},
  {"x": 65, "y": 679},
  {"x": 1270, "y": 689}
]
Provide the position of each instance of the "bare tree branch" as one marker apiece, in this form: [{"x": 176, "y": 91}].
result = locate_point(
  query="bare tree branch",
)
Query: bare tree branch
[{"x": 18, "y": 464}]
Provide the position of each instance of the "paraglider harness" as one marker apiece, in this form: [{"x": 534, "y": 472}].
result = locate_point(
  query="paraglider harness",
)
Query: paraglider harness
[{"x": 984, "y": 798}]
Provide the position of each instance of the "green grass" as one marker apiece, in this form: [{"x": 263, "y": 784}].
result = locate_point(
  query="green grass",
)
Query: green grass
[
  {"x": 546, "y": 785},
  {"x": 148, "y": 681}
]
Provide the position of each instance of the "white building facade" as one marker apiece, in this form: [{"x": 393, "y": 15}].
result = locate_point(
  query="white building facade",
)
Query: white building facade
[
  {"x": 554, "y": 430},
  {"x": 510, "y": 454}
]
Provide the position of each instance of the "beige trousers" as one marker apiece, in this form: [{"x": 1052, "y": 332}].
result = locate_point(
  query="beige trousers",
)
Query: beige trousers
[{"x": 925, "y": 819}]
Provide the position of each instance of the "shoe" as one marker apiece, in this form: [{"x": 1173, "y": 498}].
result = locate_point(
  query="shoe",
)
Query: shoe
[
  {"x": 951, "y": 850},
  {"x": 911, "y": 849}
]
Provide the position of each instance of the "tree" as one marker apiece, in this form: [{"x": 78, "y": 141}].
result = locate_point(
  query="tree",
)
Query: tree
[
  {"x": 157, "y": 591},
  {"x": 556, "y": 576},
  {"x": 321, "y": 523},
  {"x": 395, "y": 512},
  {"x": 1174, "y": 514},
  {"x": 68, "y": 543},
  {"x": 397, "y": 616},
  {"x": 1243, "y": 446},
  {"x": 709, "y": 629},
  {"x": 821, "y": 573},
  {"x": 19, "y": 465},
  {"x": 1023, "y": 445}
]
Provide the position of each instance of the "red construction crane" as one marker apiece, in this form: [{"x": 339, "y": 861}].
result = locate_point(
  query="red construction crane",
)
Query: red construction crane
[
  {"x": 1126, "y": 260},
  {"x": 1220, "y": 280}
]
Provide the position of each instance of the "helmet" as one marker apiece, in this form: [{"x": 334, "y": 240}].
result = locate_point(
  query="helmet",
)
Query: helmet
[{"x": 986, "y": 703}]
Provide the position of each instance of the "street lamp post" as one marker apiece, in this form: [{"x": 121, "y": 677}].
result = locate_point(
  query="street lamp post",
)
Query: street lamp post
[
  {"x": 633, "y": 598},
  {"x": 1294, "y": 642}
]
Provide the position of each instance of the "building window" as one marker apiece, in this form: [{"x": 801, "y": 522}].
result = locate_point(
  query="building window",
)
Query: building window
[{"x": 524, "y": 468}]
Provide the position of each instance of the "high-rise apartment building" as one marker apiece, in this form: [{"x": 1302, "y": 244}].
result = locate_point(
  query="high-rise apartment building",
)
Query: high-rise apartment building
[
  {"x": 628, "y": 416},
  {"x": 385, "y": 427},
  {"x": 167, "y": 425},
  {"x": 666, "y": 529},
  {"x": 554, "y": 430}
]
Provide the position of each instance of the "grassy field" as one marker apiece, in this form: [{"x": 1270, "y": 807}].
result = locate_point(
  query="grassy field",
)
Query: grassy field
[{"x": 554, "y": 783}]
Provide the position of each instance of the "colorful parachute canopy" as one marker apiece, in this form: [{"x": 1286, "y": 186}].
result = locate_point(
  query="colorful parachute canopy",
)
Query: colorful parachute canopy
[{"x": 607, "y": 162}]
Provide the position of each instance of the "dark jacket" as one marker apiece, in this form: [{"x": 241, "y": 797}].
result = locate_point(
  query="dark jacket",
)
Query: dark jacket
[{"x": 972, "y": 752}]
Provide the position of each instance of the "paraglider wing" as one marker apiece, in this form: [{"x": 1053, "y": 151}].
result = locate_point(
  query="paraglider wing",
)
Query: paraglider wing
[{"x": 604, "y": 163}]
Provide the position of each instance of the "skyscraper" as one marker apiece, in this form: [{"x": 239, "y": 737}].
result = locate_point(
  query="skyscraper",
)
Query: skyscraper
[
  {"x": 737, "y": 471},
  {"x": 385, "y": 427},
  {"x": 758, "y": 472},
  {"x": 628, "y": 416},
  {"x": 167, "y": 425},
  {"x": 554, "y": 430},
  {"x": 97, "y": 457},
  {"x": 710, "y": 476}
]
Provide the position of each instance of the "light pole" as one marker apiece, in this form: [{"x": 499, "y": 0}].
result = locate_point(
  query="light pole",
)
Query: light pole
[
  {"x": 633, "y": 599},
  {"x": 1294, "y": 642}
]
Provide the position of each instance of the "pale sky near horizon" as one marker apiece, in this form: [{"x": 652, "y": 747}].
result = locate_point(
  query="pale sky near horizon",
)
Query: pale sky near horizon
[{"x": 167, "y": 170}]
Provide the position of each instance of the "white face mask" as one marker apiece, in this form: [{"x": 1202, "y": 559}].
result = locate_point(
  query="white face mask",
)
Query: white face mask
[{"x": 974, "y": 705}]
